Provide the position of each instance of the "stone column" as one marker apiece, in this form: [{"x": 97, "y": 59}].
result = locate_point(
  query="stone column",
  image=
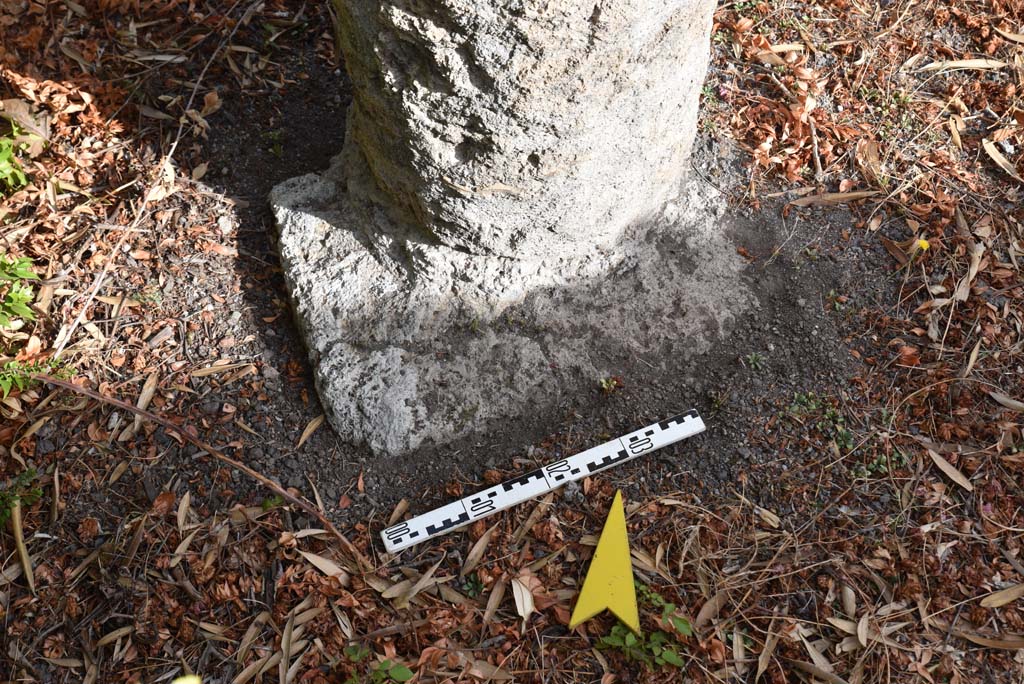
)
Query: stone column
[{"x": 495, "y": 149}]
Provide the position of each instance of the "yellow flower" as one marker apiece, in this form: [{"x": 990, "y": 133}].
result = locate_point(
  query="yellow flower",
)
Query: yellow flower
[
  {"x": 922, "y": 244},
  {"x": 188, "y": 679}
]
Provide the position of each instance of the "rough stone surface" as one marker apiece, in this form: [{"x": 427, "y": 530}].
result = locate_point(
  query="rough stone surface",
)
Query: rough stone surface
[
  {"x": 432, "y": 352},
  {"x": 522, "y": 127},
  {"x": 499, "y": 227}
]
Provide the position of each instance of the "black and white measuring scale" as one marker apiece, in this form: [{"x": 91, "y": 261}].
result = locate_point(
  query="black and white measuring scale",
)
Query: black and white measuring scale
[{"x": 540, "y": 481}]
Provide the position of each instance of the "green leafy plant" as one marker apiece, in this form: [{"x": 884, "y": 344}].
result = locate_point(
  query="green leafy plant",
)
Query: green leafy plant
[
  {"x": 271, "y": 502},
  {"x": 21, "y": 489},
  {"x": 804, "y": 403},
  {"x": 16, "y": 292},
  {"x": 386, "y": 672},
  {"x": 669, "y": 612},
  {"x": 652, "y": 650},
  {"x": 657, "y": 649},
  {"x": 357, "y": 653},
  {"x": 19, "y": 375},
  {"x": 882, "y": 465},
  {"x": 754, "y": 360},
  {"x": 611, "y": 384},
  {"x": 12, "y": 176},
  {"x": 472, "y": 585},
  {"x": 382, "y": 672},
  {"x": 834, "y": 425}
]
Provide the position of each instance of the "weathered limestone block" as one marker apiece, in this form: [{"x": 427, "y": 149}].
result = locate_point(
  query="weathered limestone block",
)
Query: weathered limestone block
[{"x": 503, "y": 160}]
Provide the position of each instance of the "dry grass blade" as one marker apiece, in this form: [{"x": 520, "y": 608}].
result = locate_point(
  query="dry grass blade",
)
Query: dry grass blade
[
  {"x": 183, "y": 508},
  {"x": 948, "y": 65},
  {"x": 55, "y": 503},
  {"x": 1004, "y": 596},
  {"x": 216, "y": 368},
  {"x": 179, "y": 552},
  {"x": 534, "y": 518},
  {"x": 710, "y": 610},
  {"x": 249, "y": 638},
  {"x": 1015, "y": 37},
  {"x": 820, "y": 661},
  {"x": 494, "y": 600},
  {"x": 1008, "y": 401},
  {"x": 816, "y": 671},
  {"x": 765, "y": 658},
  {"x": 400, "y": 508},
  {"x": 113, "y": 636},
  {"x": 397, "y": 589},
  {"x": 286, "y": 649},
  {"x": 19, "y": 543},
  {"x": 971, "y": 360},
  {"x": 327, "y": 566},
  {"x": 145, "y": 397},
  {"x": 831, "y": 199},
  {"x": 477, "y": 552},
  {"x": 1009, "y": 642},
  {"x": 1002, "y": 162},
  {"x": 253, "y": 669},
  {"x": 311, "y": 427},
  {"x": 420, "y": 585},
  {"x": 950, "y": 470},
  {"x": 483, "y": 670}
]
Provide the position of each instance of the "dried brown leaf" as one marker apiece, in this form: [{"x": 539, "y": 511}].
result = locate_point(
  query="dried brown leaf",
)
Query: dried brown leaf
[
  {"x": 162, "y": 504},
  {"x": 1014, "y": 37},
  {"x": 18, "y": 530},
  {"x": 1007, "y": 401},
  {"x": 709, "y": 611},
  {"x": 831, "y": 199},
  {"x": 310, "y": 429},
  {"x": 477, "y": 551},
  {"x": 422, "y": 583},
  {"x": 951, "y": 471},
  {"x": 327, "y": 566},
  {"x": 1004, "y": 596},
  {"x": 523, "y": 597},
  {"x": 1002, "y": 162},
  {"x": 399, "y": 511},
  {"x": 183, "y": 510},
  {"x": 964, "y": 64},
  {"x": 494, "y": 600}
]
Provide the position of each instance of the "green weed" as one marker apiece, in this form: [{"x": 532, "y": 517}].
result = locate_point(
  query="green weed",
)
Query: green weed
[
  {"x": 754, "y": 361},
  {"x": 611, "y": 384},
  {"x": 12, "y": 176},
  {"x": 383, "y": 672},
  {"x": 472, "y": 586},
  {"x": 833, "y": 425},
  {"x": 650, "y": 650},
  {"x": 271, "y": 502},
  {"x": 21, "y": 489},
  {"x": 656, "y": 649},
  {"x": 15, "y": 292},
  {"x": 804, "y": 403},
  {"x": 883, "y": 465},
  {"x": 19, "y": 375}
]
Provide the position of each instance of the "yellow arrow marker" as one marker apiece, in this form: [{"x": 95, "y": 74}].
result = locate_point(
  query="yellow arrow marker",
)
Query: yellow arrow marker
[{"x": 609, "y": 582}]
